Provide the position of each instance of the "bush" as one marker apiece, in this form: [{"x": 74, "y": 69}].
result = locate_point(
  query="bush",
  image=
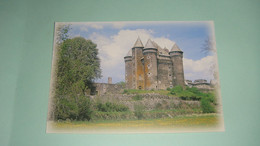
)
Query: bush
[
  {"x": 111, "y": 107},
  {"x": 125, "y": 91},
  {"x": 191, "y": 94},
  {"x": 137, "y": 97},
  {"x": 85, "y": 111},
  {"x": 176, "y": 90},
  {"x": 77, "y": 108},
  {"x": 139, "y": 111},
  {"x": 206, "y": 105}
]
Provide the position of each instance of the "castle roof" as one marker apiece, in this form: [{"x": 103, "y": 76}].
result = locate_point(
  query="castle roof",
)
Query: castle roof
[
  {"x": 138, "y": 43},
  {"x": 176, "y": 48},
  {"x": 166, "y": 50},
  {"x": 129, "y": 53},
  {"x": 149, "y": 44},
  {"x": 160, "y": 50}
]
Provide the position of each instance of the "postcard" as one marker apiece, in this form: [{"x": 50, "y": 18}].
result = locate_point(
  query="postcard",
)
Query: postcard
[{"x": 134, "y": 77}]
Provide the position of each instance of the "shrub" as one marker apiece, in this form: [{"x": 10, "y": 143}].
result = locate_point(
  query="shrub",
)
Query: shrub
[
  {"x": 85, "y": 111},
  {"x": 176, "y": 90},
  {"x": 137, "y": 97},
  {"x": 192, "y": 94},
  {"x": 111, "y": 107},
  {"x": 125, "y": 91},
  {"x": 206, "y": 105},
  {"x": 139, "y": 111}
]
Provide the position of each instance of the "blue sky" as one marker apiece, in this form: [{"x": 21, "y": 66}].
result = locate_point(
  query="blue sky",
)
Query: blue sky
[{"x": 115, "y": 39}]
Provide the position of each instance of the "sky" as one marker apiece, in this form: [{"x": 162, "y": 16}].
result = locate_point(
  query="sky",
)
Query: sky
[{"x": 115, "y": 39}]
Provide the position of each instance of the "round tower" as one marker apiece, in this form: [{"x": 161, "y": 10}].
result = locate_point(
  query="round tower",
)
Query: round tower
[
  {"x": 177, "y": 66},
  {"x": 128, "y": 70},
  {"x": 137, "y": 70},
  {"x": 150, "y": 65}
]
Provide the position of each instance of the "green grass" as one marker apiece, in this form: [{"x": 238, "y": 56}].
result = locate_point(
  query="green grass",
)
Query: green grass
[
  {"x": 208, "y": 120},
  {"x": 135, "y": 91}
]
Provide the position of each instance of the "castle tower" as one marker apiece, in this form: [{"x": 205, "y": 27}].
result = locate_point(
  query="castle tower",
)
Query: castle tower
[
  {"x": 150, "y": 65},
  {"x": 109, "y": 80},
  {"x": 176, "y": 56},
  {"x": 128, "y": 70},
  {"x": 137, "y": 70}
]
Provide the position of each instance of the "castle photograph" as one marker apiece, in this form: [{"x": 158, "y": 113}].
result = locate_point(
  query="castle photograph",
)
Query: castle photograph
[
  {"x": 152, "y": 67},
  {"x": 134, "y": 77}
]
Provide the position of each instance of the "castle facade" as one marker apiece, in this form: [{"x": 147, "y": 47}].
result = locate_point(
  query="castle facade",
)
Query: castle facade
[{"x": 151, "y": 67}]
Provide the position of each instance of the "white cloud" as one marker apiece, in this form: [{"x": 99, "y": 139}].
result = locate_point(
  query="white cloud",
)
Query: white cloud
[
  {"x": 83, "y": 28},
  {"x": 96, "y": 26},
  {"x": 113, "y": 49},
  {"x": 118, "y": 25},
  {"x": 199, "y": 69}
]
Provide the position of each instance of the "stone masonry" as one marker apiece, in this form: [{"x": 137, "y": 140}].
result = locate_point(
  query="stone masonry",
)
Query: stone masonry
[{"x": 152, "y": 67}]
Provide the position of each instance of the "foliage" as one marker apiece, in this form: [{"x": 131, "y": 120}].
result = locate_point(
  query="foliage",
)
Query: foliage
[
  {"x": 208, "y": 46},
  {"x": 207, "y": 100},
  {"x": 206, "y": 105},
  {"x": 139, "y": 111},
  {"x": 125, "y": 91},
  {"x": 121, "y": 84},
  {"x": 191, "y": 93},
  {"x": 111, "y": 107},
  {"x": 135, "y": 91},
  {"x": 176, "y": 90},
  {"x": 137, "y": 97},
  {"x": 69, "y": 108},
  {"x": 62, "y": 33},
  {"x": 77, "y": 66}
]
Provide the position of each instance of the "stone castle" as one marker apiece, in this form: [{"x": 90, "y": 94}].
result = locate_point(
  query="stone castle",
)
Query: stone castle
[{"x": 151, "y": 67}]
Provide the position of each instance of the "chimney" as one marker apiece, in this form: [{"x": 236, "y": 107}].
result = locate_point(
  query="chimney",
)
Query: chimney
[{"x": 109, "y": 80}]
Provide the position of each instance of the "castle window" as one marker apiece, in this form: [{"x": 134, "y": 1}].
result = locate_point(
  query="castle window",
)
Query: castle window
[
  {"x": 149, "y": 65},
  {"x": 140, "y": 87},
  {"x": 170, "y": 75},
  {"x": 171, "y": 86},
  {"x": 148, "y": 57}
]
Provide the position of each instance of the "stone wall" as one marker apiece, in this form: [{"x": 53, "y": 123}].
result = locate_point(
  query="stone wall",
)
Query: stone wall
[
  {"x": 164, "y": 74},
  {"x": 105, "y": 88},
  {"x": 149, "y": 101}
]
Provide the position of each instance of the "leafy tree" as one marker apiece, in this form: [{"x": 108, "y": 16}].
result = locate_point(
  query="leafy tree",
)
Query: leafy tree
[
  {"x": 62, "y": 33},
  {"x": 121, "y": 84},
  {"x": 77, "y": 67}
]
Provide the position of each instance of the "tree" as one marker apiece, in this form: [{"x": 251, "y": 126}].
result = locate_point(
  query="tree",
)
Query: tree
[
  {"x": 121, "y": 83},
  {"x": 208, "y": 46},
  {"x": 62, "y": 33},
  {"x": 77, "y": 67}
]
